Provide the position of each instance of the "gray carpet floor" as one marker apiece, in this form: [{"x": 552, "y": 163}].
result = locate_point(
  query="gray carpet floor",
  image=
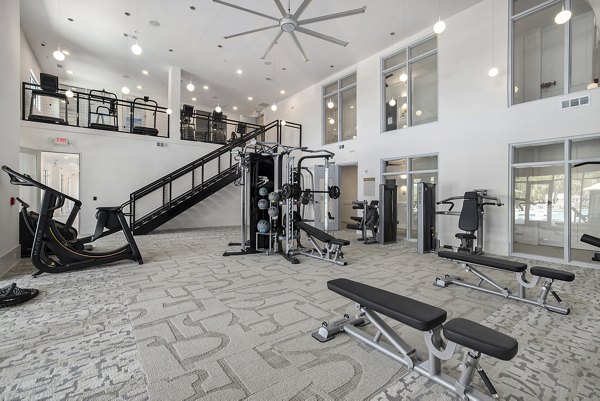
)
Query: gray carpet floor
[{"x": 191, "y": 324}]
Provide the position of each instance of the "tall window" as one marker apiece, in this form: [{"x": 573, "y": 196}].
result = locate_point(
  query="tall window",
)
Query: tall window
[
  {"x": 550, "y": 59},
  {"x": 556, "y": 198},
  {"x": 339, "y": 109},
  {"x": 406, "y": 173},
  {"x": 410, "y": 85}
]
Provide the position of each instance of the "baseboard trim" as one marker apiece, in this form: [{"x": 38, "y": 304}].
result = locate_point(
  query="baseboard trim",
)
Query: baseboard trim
[{"x": 9, "y": 260}]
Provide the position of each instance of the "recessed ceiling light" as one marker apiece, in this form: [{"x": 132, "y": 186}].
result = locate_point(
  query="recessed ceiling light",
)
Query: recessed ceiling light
[
  {"x": 145, "y": 72},
  {"x": 282, "y": 92},
  {"x": 66, "y": 52},
  {"x": 250, "y": 98},
  {"x": 140, "y": 87},
  {"x": 239, "y": 71},
  {"x": 69, "y": 72},
  {"x": 193, "y": 99},
  {"x": 154, "y": 23},
  {"x": 205, "y": 87},
  {"x": 234, "y": 107}
]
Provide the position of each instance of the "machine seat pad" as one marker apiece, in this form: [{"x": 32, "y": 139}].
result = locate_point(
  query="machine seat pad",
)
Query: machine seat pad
[
  {"x": 552, "y": 273},
  {"x": 320, "y": 235},
  {"x": 465, "y": 236},
  {"x": 509, "y": 265},
  {"x": 411, "y": 312},
  {"x": 481, "y": 338},
  {"x": 356, "y": 218},
  {"x": 353, "y": 227},
  {"x": 109, "y": 208}
]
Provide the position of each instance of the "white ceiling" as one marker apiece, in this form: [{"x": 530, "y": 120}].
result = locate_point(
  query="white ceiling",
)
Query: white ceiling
[{"x": 100, "y": 56}]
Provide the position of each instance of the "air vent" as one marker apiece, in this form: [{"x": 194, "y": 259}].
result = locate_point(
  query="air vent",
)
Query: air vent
[
  {"x": 264, "y": 104},
  {"x": 161, "y": 144},
  {"x": 575, "y": 102}
]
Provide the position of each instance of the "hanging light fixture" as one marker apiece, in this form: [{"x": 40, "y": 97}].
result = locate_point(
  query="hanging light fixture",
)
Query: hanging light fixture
[
  {"x": 563, "y": 16},
  {"x": 58, "y": 54},
  {"x": 218, "y": 109},
  {"x": 190, "y": 86},
  {"x": 282, "y": 123},
  {"x": 439, "y": 26},
  {"x": 274, "y": 107},
  {"x": 125, "y": 90},
  {"x": 392, "y": 102},
  {"x": 136, "y": 48},
  {"x": 331, "y": 121},
  {"x": 169, "y": 111},
  {"x": 69, "y": 93},
  {"x": 493, "y": 72},
  {"x": 330, "y": 104},
  {"x": 403, "y": 77}
]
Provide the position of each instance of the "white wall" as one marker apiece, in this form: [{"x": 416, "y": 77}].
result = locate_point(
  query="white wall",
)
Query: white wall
[
  {"x": 9, "y": 115},
  {"x": 475, "y": 126},
  {"x": 113, "y": 165},
  {"x": 28, "y": 60}
]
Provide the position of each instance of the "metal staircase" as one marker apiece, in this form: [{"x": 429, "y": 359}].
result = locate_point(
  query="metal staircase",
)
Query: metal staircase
[{"x": 171, "y": 195}]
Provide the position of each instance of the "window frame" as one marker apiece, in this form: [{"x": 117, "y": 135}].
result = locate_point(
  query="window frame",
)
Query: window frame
[
  {"x": 408, "y": 62},
  {"x": 338, "y": 95}
]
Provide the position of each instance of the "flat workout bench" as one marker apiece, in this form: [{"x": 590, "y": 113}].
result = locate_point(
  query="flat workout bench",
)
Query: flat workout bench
[
  {"x": 332, "y": 247},
  {"x": 520, "y": 270},
  {"x": 429, "y": 320}
]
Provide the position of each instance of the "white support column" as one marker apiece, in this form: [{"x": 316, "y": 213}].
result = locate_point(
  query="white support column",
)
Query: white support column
[
  {"x": 10, "y": 54},
  {"x": 175, "y": 101}
]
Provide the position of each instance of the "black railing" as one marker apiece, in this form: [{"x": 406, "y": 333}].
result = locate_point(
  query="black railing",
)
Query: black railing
[
  {"x": 201, "y": 126},
  {"x": 94, "y": 109},
  {"x": 169, "y": 195}
]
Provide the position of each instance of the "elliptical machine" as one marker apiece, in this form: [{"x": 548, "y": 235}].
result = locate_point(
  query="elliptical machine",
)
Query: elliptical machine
[
  {"x": 470, "y": 218},
  {"x": 52, "y": 252}
]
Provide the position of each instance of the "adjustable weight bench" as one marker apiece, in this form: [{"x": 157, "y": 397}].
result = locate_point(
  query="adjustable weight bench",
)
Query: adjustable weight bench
[
  {"x": 520, "y": 269},
  {"x": 478, "y": 339},
  {"x": 332, "y": 247}
]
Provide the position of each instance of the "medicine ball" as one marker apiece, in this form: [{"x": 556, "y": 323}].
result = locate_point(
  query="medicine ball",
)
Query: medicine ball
[
  {"x": 273, "y": 211},
  {"x": 263, "y": 191},
  {"x": 263, "y": 226},
  {"x": 263, "y": 204},
  {"x": 274, "y": 197}
]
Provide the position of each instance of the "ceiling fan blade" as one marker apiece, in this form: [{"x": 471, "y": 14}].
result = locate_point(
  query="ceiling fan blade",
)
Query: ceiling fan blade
[
  {"x": 332, "y": 16},
  {"x": 321, "y": 36},
  {"x": 299, "y": 46},
  {"x": 301, "y": 9},
  {"x": 272, "y": 44},
  {"x": 246, "y": 10},
  {"x": 281, "y": 8},
  {"x": 251, "y": 31}
]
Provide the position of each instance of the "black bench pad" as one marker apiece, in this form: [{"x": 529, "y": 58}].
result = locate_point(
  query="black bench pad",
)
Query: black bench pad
[
  {"x": 516, "y": 267},
  {"x": 413, "y": 313},
  {"x": 480, "y": 338},
  {"x": 552, "y": 273},
  {"x": 353, "y": 226},
  {"x": 320, "y": 235},
  {"x": 109, "y": 208},
  {"x": 465, "y": 236},
  {"x": 590, "y": 239}
]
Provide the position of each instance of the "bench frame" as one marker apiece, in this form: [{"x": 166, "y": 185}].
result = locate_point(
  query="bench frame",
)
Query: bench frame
[
  {"x": 400, "y": 351},
  {"x": 505, "y": 292},
  {"x": 329, "y": 252}
]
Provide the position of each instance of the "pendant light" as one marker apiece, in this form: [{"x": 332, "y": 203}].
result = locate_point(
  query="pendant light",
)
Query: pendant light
[
  {"x": 58, "y": 54},
  {"x": 274, "y": 107},
  {"x": 392, "y": 102},
  {"x": 136, "y": 48},
  {"x": 69, "y": 93},
  {"x": 282, "y": 123},
  {"x": 169, "y": 111},
  {"x": 330, "y": 104},
  {"x": 439, "y": 26},
  {"x": 493, "y": 72},
  {"x": 404, "y": 75},
  {"x": 125, "y": 89},
  {"x": 190, "y": 86},
  {"x": 563, "y": 16},
  {"x": 218, "y": 109}
]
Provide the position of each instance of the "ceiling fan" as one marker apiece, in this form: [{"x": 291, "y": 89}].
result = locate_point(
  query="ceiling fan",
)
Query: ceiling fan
[{"x": 291, "y": 24}]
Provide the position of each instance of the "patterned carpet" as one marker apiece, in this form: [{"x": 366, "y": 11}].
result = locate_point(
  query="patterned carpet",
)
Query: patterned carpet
[{"x": 191, "y": 324}]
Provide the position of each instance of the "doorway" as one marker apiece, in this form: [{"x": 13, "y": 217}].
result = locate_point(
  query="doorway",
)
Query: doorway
[
  {"x": 349, "y": 192},
  {"x": 60, "y": 171}
]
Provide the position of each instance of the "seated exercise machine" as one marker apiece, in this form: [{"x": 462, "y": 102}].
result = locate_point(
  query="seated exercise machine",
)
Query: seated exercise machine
[
  {"x": 469, "y": 262},
  {"x": 331, "y": 250},
  {"x": 470, "y": 218},
  {"x": 11, "y": 295},
  {"x": 188, "y": 125},
  {"x": 52, "y": 252},
  {"x": 369, "y": 220},
  {"x": 103, "y": 105},
  {"x": 595, "y": 241},
  {"x": 429, "y": 320}
]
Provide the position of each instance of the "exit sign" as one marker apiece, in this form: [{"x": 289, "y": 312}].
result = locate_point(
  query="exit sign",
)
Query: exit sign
[{"x": 61, "y": 141}]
